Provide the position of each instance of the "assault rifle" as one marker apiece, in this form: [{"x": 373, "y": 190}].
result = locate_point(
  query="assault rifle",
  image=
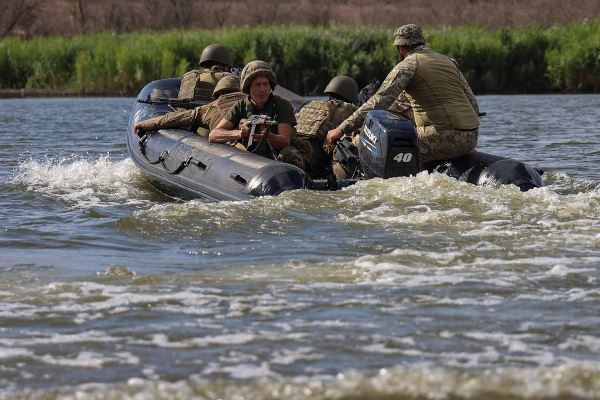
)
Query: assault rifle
[
  {"x": 346, "y": 154},
  {"x": 173, "y": 102},
  {"x": 257, "y": 120},
  {"x": 367, "y": 92}
]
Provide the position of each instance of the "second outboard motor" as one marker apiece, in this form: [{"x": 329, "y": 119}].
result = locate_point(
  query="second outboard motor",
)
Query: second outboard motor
[{"x": 388, "y": 146}]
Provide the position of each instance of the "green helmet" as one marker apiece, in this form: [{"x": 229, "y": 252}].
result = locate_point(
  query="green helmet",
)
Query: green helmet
[
  {"x": 344, "y": 87},
  {"x": 255, "y": 69},
  {"x": 228, "y": 83},
  {"x": 215, "y": 54},
  {"x": 408, "y": 35}
]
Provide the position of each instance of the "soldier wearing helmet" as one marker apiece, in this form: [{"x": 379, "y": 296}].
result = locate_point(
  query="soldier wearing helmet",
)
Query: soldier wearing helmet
[
  {"x": 198, "y": 84},
  {"x": 258, "y": 81},
  {"x": 315, "y": 119},
  {"x": 444, "y": 106},
  {"x": 201, "y": 119}
]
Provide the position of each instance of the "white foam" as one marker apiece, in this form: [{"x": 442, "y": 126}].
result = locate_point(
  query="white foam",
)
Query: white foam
[
  {"x": 14, "y": 352},
  {"x": 288, "y": 356},
  {"x": 88, "y": 359},
  {"x": 35, "y": 339},
  {"x": 161, "y": 340},
  {"x": 378, "y": 348},
  {"x": 83, "y": 182},
  {"x": 249, "y": 371},
  {"x": 591, "y": 343}
]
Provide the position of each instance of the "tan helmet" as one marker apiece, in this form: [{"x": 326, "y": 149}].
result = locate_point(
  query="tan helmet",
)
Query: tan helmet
[
  {"x": 228, "y": 83},
  {"x": 344, "y": 87},
  {"x": 408, "y": 35},
  {"x": 254, "y": 69},
  {"x": 215, "y": 54}
]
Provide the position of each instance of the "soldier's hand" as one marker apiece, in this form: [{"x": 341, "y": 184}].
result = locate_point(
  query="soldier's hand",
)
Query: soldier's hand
[
  {"x": 333, "y": 136},
  {"x": 245, "y": 126},
  {"x": 137, "y": 129}
]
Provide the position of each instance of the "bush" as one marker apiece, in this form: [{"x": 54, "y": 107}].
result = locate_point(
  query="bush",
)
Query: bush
[{"x": 305, "y": 58}]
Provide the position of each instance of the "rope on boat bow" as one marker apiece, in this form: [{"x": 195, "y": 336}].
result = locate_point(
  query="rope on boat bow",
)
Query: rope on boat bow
[{"x": 165, "y": 154}]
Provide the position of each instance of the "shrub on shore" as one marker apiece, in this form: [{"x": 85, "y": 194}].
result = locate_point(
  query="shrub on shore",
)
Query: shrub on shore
[{"x": 525, "y": 60}]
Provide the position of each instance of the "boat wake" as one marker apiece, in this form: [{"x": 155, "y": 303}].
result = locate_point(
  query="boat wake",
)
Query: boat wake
[{"x": 83, "y": 182}]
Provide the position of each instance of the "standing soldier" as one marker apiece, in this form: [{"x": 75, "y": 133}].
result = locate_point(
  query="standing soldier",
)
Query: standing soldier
[
  {"x": 315, "y": 119},
  {"x": 444, "y": 106},
  {"x": 198, "y": 84},
  {"x": 201, "y": 119}
]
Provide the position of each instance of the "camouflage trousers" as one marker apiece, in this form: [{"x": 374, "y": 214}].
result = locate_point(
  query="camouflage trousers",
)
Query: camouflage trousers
[
  {"x": 308, "y": 154},
  {"x": 445, "y": 144}
]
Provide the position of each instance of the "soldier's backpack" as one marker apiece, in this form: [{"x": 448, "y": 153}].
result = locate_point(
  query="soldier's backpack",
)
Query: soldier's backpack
[{"x": 198, "y": 85}]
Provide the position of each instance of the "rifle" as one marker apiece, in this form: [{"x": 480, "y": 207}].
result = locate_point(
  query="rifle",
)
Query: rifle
[
  {"x": 257, "y": 120},
  {"x": 187, "y": 104},
  {"x": 346, "y": 154},
  {"x": 368, "y": 91}
]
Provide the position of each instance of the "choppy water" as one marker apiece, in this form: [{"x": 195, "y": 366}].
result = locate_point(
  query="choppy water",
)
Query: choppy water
[{"x": 420, "y": 288}]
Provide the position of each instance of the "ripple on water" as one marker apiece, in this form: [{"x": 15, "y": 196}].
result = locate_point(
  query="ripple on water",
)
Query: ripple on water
[{"x": 257, "y": 381}]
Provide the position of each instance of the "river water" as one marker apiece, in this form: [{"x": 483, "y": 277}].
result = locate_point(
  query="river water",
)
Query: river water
[{"x": 420, "y": 288}]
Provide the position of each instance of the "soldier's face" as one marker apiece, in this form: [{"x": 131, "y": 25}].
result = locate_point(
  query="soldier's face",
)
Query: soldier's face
[
  {"x": 260, "y": 88},
  {"x": 401, "y": 53}
]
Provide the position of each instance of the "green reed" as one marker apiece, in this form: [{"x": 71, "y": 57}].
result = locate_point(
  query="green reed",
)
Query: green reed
[{"x": 524, "y": 60}]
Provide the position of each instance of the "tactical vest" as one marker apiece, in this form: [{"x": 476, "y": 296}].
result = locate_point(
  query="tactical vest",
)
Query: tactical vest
[
  {"x": 213, "y": 112},
  {"x": 199, "y": 84},
  {"x": 438, "y": 96},
  {"x": 317, "y": 117}
]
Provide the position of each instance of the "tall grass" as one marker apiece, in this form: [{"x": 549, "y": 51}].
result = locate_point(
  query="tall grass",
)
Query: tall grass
[{"x": 525, "y": 60}]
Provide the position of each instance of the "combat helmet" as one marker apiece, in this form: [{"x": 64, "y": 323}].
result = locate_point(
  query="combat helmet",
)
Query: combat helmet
[
  {"x": 408, "y": 35},
  {"x": 215, "y": 54},
  {"x": 344, "y": 88},
  {"x": 254, "y": 69},
  {"x": 227, "y": 84}
]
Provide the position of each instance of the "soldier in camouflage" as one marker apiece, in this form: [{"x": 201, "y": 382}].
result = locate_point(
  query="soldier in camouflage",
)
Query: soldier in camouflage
[
  {"x": 444, "y": 106},
  {"x": 198, "y": 84},
  {"x": 200, "y": 119},
  {"x": 315, "y": 119},
  {"x": 258, "y": 81}
]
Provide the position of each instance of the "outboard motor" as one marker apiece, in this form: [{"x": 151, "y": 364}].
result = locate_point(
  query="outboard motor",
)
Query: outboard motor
[{"x": 388, "y": 146}]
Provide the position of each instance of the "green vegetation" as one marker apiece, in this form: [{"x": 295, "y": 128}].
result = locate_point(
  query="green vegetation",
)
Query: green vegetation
[{"x": 527, "y": 60}]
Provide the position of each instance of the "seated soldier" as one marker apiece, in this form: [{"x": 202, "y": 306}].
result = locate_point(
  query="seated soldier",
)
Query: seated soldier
[
  {"x": 315, "y": 119},
  {"x": 258, "y": 81},
  {"x": 198, "y": 84},
  {"x": 200, "y": 119}
]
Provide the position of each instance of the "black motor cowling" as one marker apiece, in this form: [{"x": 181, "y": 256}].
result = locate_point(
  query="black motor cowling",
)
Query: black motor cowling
[{"x": 388, "y": 146}]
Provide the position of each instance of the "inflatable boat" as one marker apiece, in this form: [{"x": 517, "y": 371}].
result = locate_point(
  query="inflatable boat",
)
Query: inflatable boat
[{"x": 186, "y": 165}]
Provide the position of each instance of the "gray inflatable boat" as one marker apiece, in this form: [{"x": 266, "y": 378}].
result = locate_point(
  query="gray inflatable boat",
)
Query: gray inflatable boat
[{"x": 186, "y": 165}]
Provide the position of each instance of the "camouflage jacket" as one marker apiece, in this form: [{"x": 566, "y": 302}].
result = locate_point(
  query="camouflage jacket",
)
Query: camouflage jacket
[
  {"x": 393, "y": 86},
  {"x": 200, "y": 119}
]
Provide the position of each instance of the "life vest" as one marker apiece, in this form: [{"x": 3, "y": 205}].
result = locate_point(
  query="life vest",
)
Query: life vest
[
  {"x": 198, "y": 84},
  {"x": 317, "y": 117}
]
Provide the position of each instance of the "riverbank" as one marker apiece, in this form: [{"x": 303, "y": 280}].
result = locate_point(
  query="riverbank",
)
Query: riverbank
[{"x": 524, "y": 60}]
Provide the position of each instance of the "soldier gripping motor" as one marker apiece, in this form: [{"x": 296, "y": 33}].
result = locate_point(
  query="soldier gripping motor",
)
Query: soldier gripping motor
[
  {"x": 258, "y": 81},
  {"x": 444, "y": 106},
  {"x": 198, "y": 84},
  {"x": 315, "y": 119},
  {"x": 200, "y": 119}
]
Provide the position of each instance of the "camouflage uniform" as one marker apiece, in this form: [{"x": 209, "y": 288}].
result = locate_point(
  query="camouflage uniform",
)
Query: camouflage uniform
[
  {"x": 198, "y": 84},
  {"x": 200, "y": 119},
  {"x": 277, "y": 108},
  {"x": 314, "y": 120},
  {"x": 445, "y": 129}
]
